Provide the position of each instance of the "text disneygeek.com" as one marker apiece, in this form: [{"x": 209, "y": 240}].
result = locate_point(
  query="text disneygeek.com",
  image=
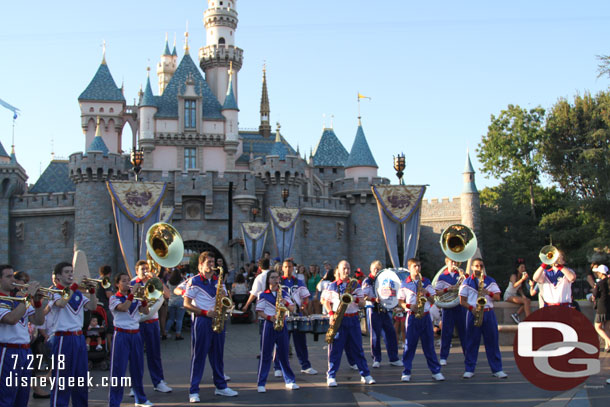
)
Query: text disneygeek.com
[{"x": 62, "y": 383}]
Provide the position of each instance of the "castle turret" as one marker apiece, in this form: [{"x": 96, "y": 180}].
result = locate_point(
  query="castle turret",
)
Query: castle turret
[
  {"x": 265, "y": 127},
  {"x": 360, "y": 162},
  {"x": 329, "y": 156},
  {"x": 166, "y": 66},
  {"x": 230, "y": 111},
  {"x": 148, "y": 108},
  {"x": 220, "y": 21},
  {"x": 102, "y": 98},
  {"x": 12, "y": 182},
  {"x": 470, "y": 204}
]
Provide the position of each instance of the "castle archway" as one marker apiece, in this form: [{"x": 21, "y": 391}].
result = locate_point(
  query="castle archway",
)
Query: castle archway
[{"x": 196, "y": 247}]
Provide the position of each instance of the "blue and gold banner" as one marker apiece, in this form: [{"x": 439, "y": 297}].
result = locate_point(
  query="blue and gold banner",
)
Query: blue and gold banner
[
  {"x": 399, "y": 206},
  {"x": 284, "y": 229},
  {"x": 254, "y": 235}
]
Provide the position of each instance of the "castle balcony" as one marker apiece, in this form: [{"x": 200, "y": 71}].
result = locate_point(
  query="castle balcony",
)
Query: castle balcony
[
  {"x": 220, "y": 55},
  {"x": 347, "y": 186},
  {"x": 190, "y": 139},
  {"x": 323, "y": 206}
]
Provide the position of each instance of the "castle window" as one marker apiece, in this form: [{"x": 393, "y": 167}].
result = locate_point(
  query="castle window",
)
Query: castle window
[
  {"x": 190, "y": 154},
  {"x": 321, "y": 170},
  {"x": 221, "y": 41},
  {"x": 101, "y": 110},
  {"x": 190, "y": 114},
  {"x": 334, "y": 170}
]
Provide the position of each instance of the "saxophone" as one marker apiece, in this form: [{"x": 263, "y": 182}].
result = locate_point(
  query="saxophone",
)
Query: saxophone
[
  {"x": 420, "y": 300},
  {"x": 280, "y": 311},
  {"x": 222, "y": 305},
  {"x": 346, "y": 299},
  {"x": 481, "y": 301}
]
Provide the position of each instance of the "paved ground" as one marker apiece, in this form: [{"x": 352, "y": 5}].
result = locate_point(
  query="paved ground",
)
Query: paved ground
[{"x": 241, "y": 365}]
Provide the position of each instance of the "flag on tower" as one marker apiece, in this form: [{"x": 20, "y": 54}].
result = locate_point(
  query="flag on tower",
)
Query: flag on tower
[
  {"x": 361, "y": 96},
  {"x": 10, "y": 107}
]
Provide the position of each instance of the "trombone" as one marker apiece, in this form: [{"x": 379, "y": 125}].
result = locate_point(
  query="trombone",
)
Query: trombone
[{"x": 47, "y": 292}]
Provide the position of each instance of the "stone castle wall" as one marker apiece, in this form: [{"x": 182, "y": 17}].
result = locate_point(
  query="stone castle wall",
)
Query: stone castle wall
[{"x": 437, "y": 215}]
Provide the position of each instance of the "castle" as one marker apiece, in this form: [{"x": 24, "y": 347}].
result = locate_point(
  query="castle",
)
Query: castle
[{"x": 216, "y": 173}]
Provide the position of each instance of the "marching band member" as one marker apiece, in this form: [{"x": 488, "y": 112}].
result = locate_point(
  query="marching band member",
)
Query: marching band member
[
  {"x": 266, "y": 309},
  {"x": 379, "y": 319},
  {"x": 454, "y": 316},
  {"x": 68, "y": 340},
  {"x": 349, "y": 335},
  {"x": 418, "y": 327},
  {"x": 469, "y": 292},
  {"x": 151, "y": 332},
  {"x": 15, "y": 339},
  {"x": 200, "y": 299},
  {"x": 299, "y": 294},
  {"x": 127, "y": 342},
  {"x": 555, "y": 282}
]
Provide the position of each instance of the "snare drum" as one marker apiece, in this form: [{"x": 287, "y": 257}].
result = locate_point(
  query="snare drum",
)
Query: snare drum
[
  {"x": 304, "y": 324},
  {"x": 290, "y": 323}
]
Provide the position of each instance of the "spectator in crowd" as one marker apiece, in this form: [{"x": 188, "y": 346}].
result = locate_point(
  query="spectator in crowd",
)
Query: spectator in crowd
[
  {"x": 175, "y": 309},
  {"x": 514, "y": 292},
  {"x": 601, "y": 292}
]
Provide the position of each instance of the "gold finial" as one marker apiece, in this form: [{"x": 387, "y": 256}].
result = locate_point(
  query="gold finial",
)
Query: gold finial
[
  {"x": 264, "y": 66},
  {"x": 186, "y": 39},
  {"x": 103, "y": 52},
  {"x": 148, "y": 71},
  {"x": 332, "y": 119},
  {"x": 278, "y": 138},
  {"x": 230, "y": 69}
]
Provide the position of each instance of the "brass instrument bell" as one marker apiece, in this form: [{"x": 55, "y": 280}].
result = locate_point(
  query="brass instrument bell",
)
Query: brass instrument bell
[
  {"x": 548, "y": 254},
  {"x": 458, "y": 242}
]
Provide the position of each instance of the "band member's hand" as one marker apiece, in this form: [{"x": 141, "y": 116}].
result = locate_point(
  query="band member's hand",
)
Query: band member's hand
[
  {"x": 33, "y": 287},
  {"x": 245, "y": 308},
  {"x": 211, "y": 314},
  {"x": 332, "y": 319}
]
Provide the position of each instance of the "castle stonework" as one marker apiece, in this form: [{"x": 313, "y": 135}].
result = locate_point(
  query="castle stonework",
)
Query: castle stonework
[{"x": 215, "y": 172}]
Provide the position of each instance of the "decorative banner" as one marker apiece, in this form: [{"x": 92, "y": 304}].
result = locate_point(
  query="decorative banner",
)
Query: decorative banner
[
  {"x": 284, "y": 229},
  {"x": 254, "y": 235},
  {"x": 136, "y": 205},
  {"x": 399, "y": 206},
  {"x": 166, "y": 214},
  {"x": 137, "y": 200}
]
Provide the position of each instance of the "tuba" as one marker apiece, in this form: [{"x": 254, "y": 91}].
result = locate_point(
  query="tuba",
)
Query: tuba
[
  {"x": 459, "y": 243},
  {"x": 222, "y": 305},
  {"x": 346, "y": 299},
  {"x": 280, "y": 311}
]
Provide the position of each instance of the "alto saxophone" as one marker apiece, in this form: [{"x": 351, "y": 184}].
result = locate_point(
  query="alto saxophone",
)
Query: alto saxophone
[
  {"x": 420, "y": 301},
  {"x": 481, "y": 301},
  {"x": 346, "y": 299},
  {"x": 280, "y": 311},
  {"x": 222, "y": 305}
]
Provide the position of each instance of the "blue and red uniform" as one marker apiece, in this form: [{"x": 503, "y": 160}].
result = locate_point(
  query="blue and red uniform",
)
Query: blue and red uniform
[{"x": 454, "y": 317}]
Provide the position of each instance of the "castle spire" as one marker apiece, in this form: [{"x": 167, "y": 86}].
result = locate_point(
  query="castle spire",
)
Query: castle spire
[
  {"x": 186, "y": 39},
  {"x": 468, "y": 177},
  {"x": 265, "y": 128},
  {"x": 166, "y": 51},
  {"x": 104, "y": 52}
]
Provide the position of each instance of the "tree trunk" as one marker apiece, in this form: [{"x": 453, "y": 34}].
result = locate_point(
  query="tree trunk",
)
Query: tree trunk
[{"x": 532, "y": 204}]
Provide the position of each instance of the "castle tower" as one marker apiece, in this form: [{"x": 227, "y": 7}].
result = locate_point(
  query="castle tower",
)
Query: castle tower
[
  {"x": 469, "y": 199},
  {"x": 265, "y": 127},
  {"x": 12, "y": 182},
  {"x": 102, "y": 98},
  {"x": 230, "y": 111},
  {"x": 148, "y": 108},
  {"x": 220, "y": 22},
  {"x": 360, "y": 162},
  {"x": 329, "y": 157},
  {"x": 166, "y": 66}
]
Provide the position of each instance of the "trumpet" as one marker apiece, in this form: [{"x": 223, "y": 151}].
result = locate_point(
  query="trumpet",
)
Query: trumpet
[
  {"x": 47, "y": 292},
  {"x": 25, "y": 301},
  {"x": 105, "y": 282}
]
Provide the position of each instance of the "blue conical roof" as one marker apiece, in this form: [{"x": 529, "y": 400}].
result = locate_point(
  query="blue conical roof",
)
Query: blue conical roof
[
  {"x": 279, "y": 148},
  {"x": 167, "y": 103},
  {"x": 148, "y": 99},
  {"x": 361, "y": 155},
  {"x": 469, "y": 185},
  {"x": 174, "y": 53},
  {"x": 468, "y": 167},
  {"x": 230, "y": 102},
  {"x": 102, "y": 87},
  {"x": 166, "y": 51},
  {"x": 329, "y": 152},
  {"x": 2, "y": 151},
  {"x": 55, "y": 178}
]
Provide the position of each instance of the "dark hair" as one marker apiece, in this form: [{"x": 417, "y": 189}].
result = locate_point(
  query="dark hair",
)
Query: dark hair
[
  {"x": 59, "y": 267},
  {"x": 176, "y": 277},
  {"x": 140, "y": 263},
  {"x": 240, "y": 278},
  {"x": 117, "y": 279},
  {"x": 105, "y": 270},
  {"x": 289, "y": 260},
  {"x": 330, "y": 275},
  {"x": 267, "y": 278},
  {"x": 204, "y": 255},
  {"x": 22, "y": 275},
  {"x": 412, "y": 260},
  {"x": 5, "y": 267},
  {"x": 263, "y": 264},
  {"x": 478, "y": 259}
]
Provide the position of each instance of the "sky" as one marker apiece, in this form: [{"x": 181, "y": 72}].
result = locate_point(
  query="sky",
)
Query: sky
[{"x": 435, "y": 71}]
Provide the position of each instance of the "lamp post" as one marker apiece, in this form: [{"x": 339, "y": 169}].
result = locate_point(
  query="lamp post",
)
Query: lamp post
[
  {"x": 254, "y": 212},
  {"x": 399, "y": 166},
  {"x": 285, "y": 195},
  {"x": 137, "y": 158}
]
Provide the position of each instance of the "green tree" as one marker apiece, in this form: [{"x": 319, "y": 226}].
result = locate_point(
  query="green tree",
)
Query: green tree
[
  {"x": 511, "y": 147},
  {"x": 577, "y": 147}
]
